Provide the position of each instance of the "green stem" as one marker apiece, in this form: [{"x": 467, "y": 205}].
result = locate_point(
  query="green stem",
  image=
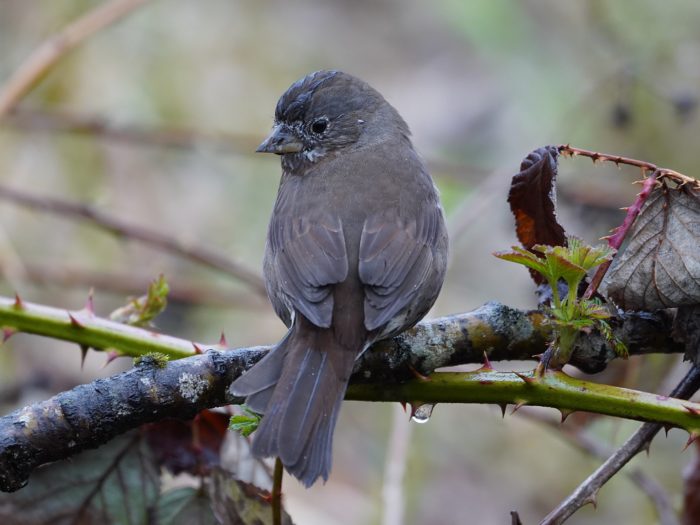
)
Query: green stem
[
  {"x": 555, "y": 389},
  {"x": 553, "y": 284},
  {"x": 86, "y": 329},
  {"x": 572, "y": 299}
]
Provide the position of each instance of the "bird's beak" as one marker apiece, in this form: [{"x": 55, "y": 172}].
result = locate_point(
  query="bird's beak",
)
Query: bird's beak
[{"x": 282, "y": 140}]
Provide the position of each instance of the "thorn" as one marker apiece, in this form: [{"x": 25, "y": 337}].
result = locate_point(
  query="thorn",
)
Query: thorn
[
  {"x": 564, "y": 414},
  {"x": 487, "y": 364},
  {"x": 503, "y": 406},
  {"x": 197, "y": 349},
  {"x": 74, "y": 321},
  {"x": 625, "y": 208},
  {"x": 111, "y": 356},
  {"x": 646, "y": 448},
  {"x": 222, "y": 340},
  {"x": 7, "y": 333},
  {"x": 517, "y": 406},
  {"x": 89, "y": 304},
  {"x": 527, "y": 379},
  {"x": 692, "y": 410},
  {"x": 19, "y": 305},
  {"x": 83, "y": 354},
  {"x": 403, "y": 405},
  {"x": 691, "y": 438},
  {"x": 592, "y": 499},
  {"x": 417, "y": 374},
  {"x": 667, "y": 428}
]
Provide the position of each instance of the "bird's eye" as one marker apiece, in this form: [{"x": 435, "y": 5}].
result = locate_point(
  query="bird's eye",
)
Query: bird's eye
[{"x": 319, "y": 126}]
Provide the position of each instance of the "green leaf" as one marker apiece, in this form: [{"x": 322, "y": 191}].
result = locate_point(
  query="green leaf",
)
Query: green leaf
[
  {"x": 561, "y": 268},
  {"x": 246, "y": 423},
  {"x": 142, "y": 310},
  {"x": 585, "y": 256},
  {"x": 618, "y": 346},
  {"x": 524, "y": 257}
]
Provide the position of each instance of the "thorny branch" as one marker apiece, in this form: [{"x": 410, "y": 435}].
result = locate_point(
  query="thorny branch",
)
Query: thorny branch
[
  {"x": 116, "y": 226},
  {"x": 596, "y": 156},
  {"x": 587, "y": 491},
  {"x": 91, "y": 414},
  {"x": 54, "y": 48},
  {"x": 577, "y": 437}
]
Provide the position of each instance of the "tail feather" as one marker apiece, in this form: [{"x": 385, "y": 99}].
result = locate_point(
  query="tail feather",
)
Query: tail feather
[
  {"x": 306, "y": 404},
  {"x": 264, "y": 374},
  {"x": 258, "y": 401},
  {"x": 301, "y": 408}
]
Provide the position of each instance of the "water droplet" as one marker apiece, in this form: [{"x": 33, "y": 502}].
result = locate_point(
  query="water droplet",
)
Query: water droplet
[{"x": 421, "y": 413}]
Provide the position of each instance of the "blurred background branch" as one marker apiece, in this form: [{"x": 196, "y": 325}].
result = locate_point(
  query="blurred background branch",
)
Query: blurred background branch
[{"x": 52, "y": 50}]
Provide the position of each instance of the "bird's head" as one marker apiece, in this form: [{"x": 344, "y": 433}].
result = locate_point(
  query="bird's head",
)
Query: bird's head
[{"x": 326, "y": 112}]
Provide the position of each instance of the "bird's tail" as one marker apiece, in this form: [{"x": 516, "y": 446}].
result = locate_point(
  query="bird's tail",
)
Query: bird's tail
[{"x": 299, "y": 387}]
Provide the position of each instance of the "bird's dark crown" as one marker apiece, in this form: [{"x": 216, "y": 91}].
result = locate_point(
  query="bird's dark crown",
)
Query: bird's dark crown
[
  {"x": 330, "y": 110},
  {"x": 293, "y": 105}
]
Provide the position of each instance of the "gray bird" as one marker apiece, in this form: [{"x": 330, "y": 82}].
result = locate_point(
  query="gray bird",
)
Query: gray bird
[{"x": 356, "y": 252}]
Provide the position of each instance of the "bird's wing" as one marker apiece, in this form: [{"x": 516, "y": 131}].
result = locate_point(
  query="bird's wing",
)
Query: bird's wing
[
  {"x": 396, "y": 258},
  {"x": 309, "y": 255}
]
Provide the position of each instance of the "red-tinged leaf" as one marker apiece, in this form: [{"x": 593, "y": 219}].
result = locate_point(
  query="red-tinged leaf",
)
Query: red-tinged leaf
[
  {"x": 532, "y": 200},
  {"x": 116, "y": 483},
  {"x": 560, "y": 267},
  {"x": 189, "y": 446},
  {"x": 660, "y": 268},
  {"x": 520, "y": 256}
]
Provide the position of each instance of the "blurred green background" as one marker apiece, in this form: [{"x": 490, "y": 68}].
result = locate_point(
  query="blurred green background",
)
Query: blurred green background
[{"x": 481, "y": 83}]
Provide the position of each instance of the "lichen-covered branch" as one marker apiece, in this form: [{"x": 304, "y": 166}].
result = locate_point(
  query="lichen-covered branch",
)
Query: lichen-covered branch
[
  {"x": 91, "y": 414},
  {"x": 501, "y": 332}
]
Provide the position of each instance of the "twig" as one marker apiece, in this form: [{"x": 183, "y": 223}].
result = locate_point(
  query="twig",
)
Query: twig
[
  {"x": 166, "y": 137},
  {"x": 276, "y": 495},
  {"x": 589, "y": 445},
  {"x": 53, "y": 49},
  {"x": 118, "y": 227},
  {"x": 587, "y": 491},
  {"x": 179, "y": 137},
  {"x": 131, "y": 285},
  {"x": 596, "y": 156},
  {"x": 395, "y": 468}
]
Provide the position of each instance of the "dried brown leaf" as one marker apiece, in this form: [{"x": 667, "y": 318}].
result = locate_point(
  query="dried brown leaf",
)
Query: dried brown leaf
[
  {"x": 660, "y": 268},
  {"x": 532, "y": 200}
]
